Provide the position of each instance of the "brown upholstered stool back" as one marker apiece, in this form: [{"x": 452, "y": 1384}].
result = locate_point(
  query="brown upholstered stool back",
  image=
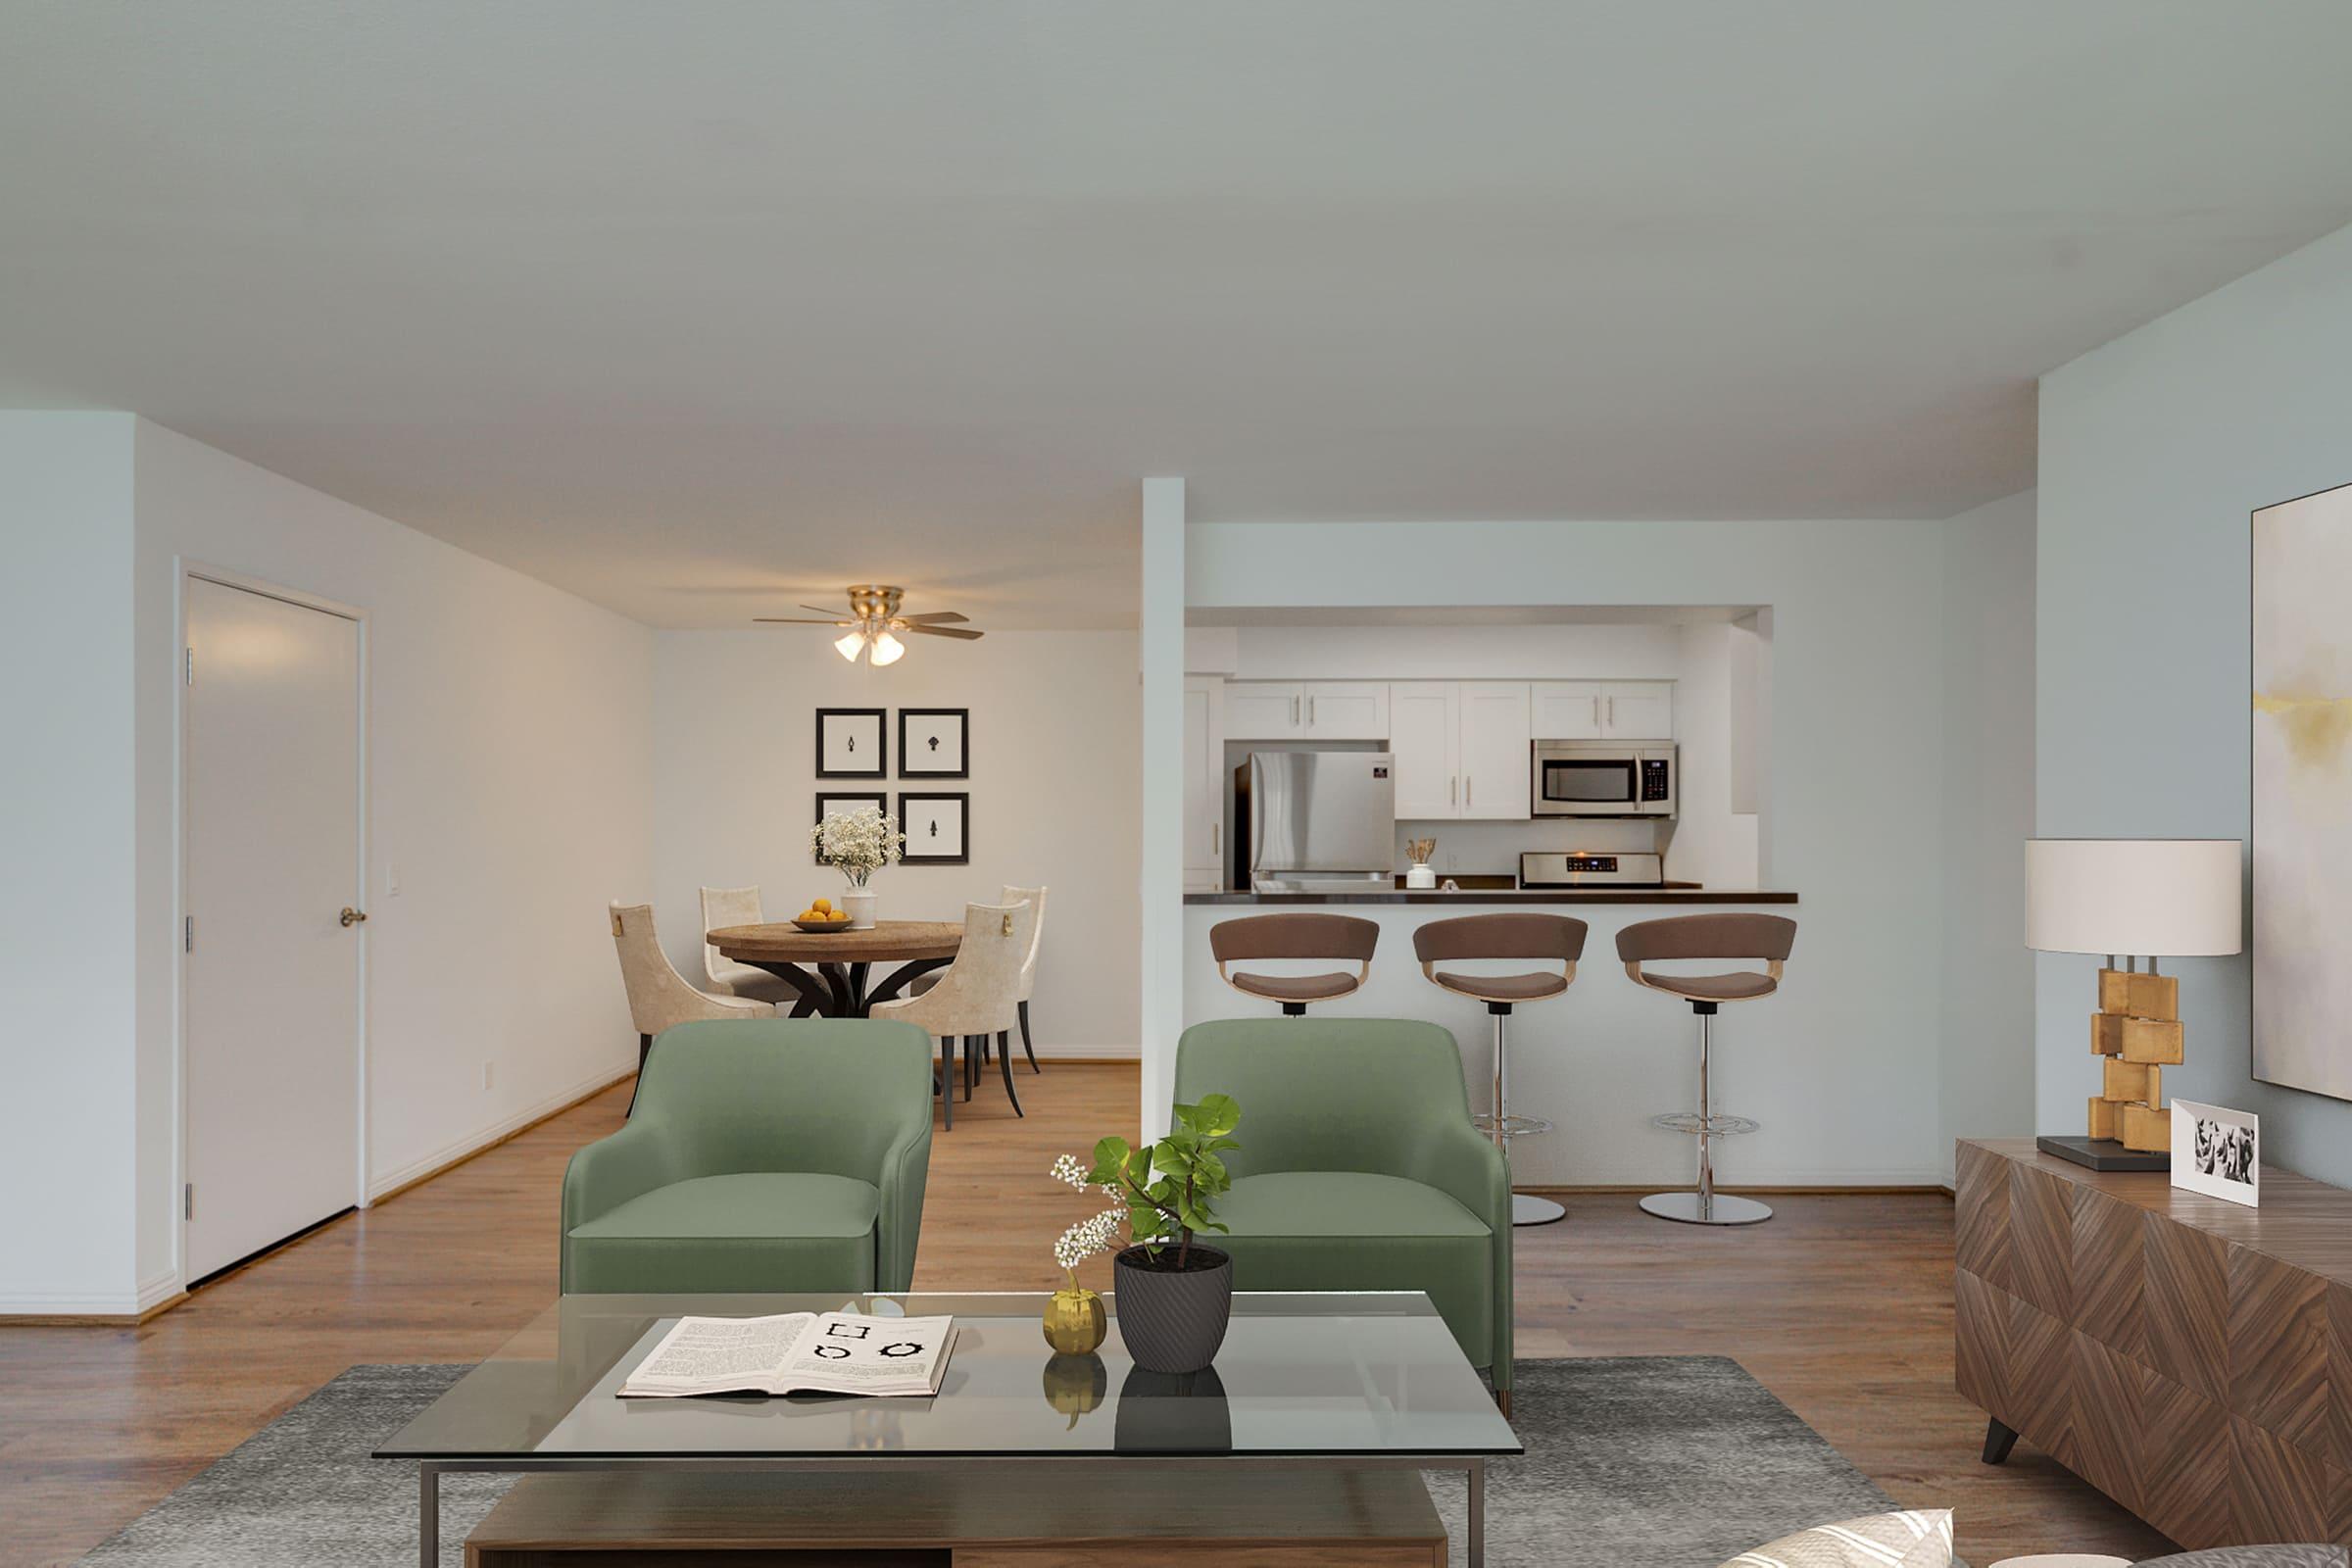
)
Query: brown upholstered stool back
[
  {"x": 1343, "y": 937},
  {"x": 1295, "y": 936},
  {"x": 1553, "y": 936},
  {"x": 1766, "y": 937}
]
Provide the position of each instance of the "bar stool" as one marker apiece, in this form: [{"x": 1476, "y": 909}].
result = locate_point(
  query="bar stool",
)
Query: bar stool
[
  {"x": 1765, "y": 938},
  {"x": 1546, "y": 938},
  {"x": 1295, "y": 936}
]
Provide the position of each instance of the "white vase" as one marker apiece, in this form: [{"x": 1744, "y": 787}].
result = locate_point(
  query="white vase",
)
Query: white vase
[
  {"x": 859, "y": 904},
  {"x": 1419, "y": 875}
]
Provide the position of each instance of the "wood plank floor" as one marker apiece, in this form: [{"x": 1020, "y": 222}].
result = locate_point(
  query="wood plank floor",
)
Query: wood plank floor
[{"x": 1841, "y": 1306}]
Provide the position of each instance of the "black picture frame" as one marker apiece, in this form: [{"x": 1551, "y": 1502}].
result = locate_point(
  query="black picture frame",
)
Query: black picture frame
[
  {"x": 850, "y": 726},
  {"x": 915, "y": 750},
  {"x": 913, "y": 852},
  {"x": 830, "y": 801}
]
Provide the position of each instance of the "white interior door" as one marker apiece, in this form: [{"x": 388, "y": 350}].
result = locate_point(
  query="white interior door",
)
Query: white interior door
[{"x": 271, "y": 1032}]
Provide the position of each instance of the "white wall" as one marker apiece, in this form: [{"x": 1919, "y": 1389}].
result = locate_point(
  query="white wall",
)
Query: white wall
[
  {"x": 509, "y": 782},
  {"x": 1987, "y": 1022},
  {"x": 2154, "y": 451},
  {"x": 1054, "y": 786},
  {"x": 1842, "y": 1065},
  {"x": 67, "y": 1159}
]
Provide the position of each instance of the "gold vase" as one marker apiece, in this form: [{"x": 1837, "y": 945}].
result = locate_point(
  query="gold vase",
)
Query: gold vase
[{"x": 1075, "y": 1322}]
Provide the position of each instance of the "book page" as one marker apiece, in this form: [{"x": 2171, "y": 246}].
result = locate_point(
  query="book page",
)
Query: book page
[
  {"x": 719, "y": 1354},
  {"x": 847, "y": 1353}
]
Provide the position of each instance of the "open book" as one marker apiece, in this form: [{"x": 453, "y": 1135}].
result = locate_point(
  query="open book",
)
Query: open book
[{"x": 795, "y": 1352}]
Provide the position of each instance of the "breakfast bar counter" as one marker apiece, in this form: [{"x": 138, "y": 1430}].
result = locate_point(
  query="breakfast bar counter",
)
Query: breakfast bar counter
[
  {"x": 1683, "y": 896},
  {"x": 1599, "y": 1060}
]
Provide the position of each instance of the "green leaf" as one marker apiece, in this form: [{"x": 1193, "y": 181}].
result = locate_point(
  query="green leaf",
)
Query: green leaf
[{"x": 1216, "y": 1115}]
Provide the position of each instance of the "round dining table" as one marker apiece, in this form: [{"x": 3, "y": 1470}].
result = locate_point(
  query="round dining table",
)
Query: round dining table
[{"x": 829, "y": 969}]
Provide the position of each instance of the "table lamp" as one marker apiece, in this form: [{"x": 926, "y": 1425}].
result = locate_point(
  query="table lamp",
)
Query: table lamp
[{"x": 2144, "y": 899}]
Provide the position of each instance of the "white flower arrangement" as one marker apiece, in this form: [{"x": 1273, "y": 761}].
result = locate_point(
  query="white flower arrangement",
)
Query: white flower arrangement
[
  {"x": 1089, "y": 1237},
  {"x": 857, "y": 843}
]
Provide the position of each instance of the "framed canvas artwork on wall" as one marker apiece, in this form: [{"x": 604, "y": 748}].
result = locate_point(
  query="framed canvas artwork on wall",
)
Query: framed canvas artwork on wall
[{"x": 2302, "y": 821}]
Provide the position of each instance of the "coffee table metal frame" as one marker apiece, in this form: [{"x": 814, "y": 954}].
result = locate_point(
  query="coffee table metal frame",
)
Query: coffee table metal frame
[{"x": 430, "y": 1471}]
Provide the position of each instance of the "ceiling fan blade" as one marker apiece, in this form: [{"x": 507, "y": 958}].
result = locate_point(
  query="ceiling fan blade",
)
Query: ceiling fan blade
[
  {"x": 943, "y": 631},
  {"x": 935, "y": 617},
  {"x": 821, "y": 610},
  {"x": 796, "y": 620}
]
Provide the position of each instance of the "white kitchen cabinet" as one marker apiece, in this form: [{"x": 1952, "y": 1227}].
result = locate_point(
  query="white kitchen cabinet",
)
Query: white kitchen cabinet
[
  {"x": 1347, "y": 710},
  {"x": 1566, "y": 711},
  {"x": 1496, "y": 763},
  {"x": 1638, "y": 711},
  {"x": 1604, "y": 710},
  {"x": 1265, "y": 709},
  {"x": 1425, "y": 732},
  {"x": 1204, "y": 784}
]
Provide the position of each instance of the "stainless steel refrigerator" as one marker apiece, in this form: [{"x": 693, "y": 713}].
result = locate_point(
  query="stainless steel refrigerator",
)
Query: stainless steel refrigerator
[{"x": 1316, "y": 821}]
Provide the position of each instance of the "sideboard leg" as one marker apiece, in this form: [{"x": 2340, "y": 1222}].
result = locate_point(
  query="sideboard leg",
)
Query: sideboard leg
[{"x": 1998, "y": 1439}]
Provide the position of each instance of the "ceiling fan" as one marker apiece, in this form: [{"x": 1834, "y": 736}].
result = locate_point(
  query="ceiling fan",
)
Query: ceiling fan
[{"x": 873, "y": 619}]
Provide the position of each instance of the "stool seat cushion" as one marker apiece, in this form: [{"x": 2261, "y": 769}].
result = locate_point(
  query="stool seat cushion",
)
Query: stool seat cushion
[
  {"x": 1295, "y": 987},
  {"x": 1741, "y": 987},
  {"x": 750, "y": 1231},
  {"x": 1504, "y": 987},
  {"x": 1354, "y": 1229}
]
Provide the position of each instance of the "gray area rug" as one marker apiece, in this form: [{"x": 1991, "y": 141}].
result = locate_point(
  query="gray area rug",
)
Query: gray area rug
[{"x": 1632, "y": 1462}]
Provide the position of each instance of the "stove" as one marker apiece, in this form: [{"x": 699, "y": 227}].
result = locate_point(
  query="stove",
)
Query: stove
[{"x": 1620, "y": 868}]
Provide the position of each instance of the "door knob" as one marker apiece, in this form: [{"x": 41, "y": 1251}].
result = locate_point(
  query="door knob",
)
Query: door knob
[{"x": 351, "y": 916}]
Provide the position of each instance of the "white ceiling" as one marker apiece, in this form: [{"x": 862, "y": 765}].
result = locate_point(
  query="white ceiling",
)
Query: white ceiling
[{"x": 702, "y": 309}]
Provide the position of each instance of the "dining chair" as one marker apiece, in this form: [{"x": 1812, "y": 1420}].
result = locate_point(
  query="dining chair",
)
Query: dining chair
[
  {"x": 660, "y": 996},
  {"x": 1012, "y": 895},
  {"x": 726, "y": 907},
  {"x": 977, "y": 996}
]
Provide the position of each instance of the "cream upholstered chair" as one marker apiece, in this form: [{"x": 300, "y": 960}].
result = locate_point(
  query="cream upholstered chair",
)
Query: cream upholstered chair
[
  {"x": 978, "y": 995},
  {"x": 659, "y": 995},
  {"x": 726, "y": 906},
  {"x": 1012, "y": 895}
]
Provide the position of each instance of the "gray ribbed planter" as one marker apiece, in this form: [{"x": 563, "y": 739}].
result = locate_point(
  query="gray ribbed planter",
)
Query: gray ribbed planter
[{"x": 1172, "y": 1322}]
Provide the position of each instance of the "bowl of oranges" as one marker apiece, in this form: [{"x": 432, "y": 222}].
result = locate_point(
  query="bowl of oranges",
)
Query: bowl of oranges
[{"x": 820, "y": 916}]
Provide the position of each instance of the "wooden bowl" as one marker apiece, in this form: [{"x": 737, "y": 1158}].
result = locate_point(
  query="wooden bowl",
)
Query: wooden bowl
[{"x": 836, "y": 924}]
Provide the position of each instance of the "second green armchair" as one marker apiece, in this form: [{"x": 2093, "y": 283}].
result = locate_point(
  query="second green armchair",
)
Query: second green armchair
[
  {"x": 763, "y": 1154},
  {"x": 1359, "y": 1168}
]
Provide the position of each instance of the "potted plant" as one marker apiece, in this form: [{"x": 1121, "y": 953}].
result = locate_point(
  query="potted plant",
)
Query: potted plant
[
  {"x": 1174, "y": 1293},
  {"x": 858, "y": 844}
]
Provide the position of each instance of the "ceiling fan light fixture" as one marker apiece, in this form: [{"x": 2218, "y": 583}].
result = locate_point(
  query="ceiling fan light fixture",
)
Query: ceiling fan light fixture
[
  {"x": 888, "y": 650},
  {"x": 852, "y": 645}
]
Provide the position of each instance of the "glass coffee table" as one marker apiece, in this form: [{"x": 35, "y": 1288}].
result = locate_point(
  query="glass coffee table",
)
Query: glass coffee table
[{"x": 1333, "y": 1382}]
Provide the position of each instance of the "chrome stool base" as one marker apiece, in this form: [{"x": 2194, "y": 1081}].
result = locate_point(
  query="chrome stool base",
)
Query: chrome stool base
[
  {"x": 1710, "y": 1208},
  {"x": 1529, "y": 1210}
]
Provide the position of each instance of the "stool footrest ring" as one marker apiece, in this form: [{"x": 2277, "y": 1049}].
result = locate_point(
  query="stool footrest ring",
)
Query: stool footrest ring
[
  {"x": 1512, "y": 1126},
  {"x": 1688, "y": 1121}
]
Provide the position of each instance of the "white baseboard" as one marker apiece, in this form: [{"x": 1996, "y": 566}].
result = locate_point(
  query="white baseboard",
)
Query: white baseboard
[
  {"x": 383, "y": 1182},
  {"x": 157, "y": 1289},
  {"x": 1063, "y": 1053},
  {"x": 68, "y": 1303}
]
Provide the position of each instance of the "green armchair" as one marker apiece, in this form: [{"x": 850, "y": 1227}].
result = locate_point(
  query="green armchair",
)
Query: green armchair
[
  {"x": 763, "y": 1154},
  {"x": 1359, "y": 1168}
]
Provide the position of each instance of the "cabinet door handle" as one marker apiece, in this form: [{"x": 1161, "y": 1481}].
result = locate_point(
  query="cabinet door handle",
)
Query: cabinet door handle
[
  {"x": 1467, "y": 781},
  {"x": 1596, "y": 713},
  {"x": 1612, "y": 713},
  {"x": 1310, "y": 713},
  {"x": 1212, "y": 836},
  {"x": 1452, "y": 784},
  {"x": 1294, "y": 712}
]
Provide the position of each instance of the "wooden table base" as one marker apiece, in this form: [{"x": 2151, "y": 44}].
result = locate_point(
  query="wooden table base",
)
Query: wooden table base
[{"x": 1054, "y": 1518}]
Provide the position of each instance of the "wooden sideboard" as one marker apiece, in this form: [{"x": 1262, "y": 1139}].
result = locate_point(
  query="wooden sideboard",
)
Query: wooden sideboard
[{"x": 2188, "y": 1356}]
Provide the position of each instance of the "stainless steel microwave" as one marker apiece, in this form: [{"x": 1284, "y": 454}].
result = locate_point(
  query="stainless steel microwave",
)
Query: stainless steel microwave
[{"x": 1604, "y": 778}]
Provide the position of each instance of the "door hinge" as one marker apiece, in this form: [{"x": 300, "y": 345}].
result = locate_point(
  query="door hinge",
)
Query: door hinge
[
  {"x": 188, "y": 933},
  {"x": 188, "y": 667},
  {"x": 187, "y": 1202}
]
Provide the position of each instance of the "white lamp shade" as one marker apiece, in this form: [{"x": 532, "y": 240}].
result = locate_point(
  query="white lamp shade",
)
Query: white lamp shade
[{"x": 2149, "y": 897}]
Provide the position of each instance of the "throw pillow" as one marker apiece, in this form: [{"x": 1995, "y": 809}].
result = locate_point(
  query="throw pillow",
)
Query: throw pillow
[{"x": 1913, "y": 1539}]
